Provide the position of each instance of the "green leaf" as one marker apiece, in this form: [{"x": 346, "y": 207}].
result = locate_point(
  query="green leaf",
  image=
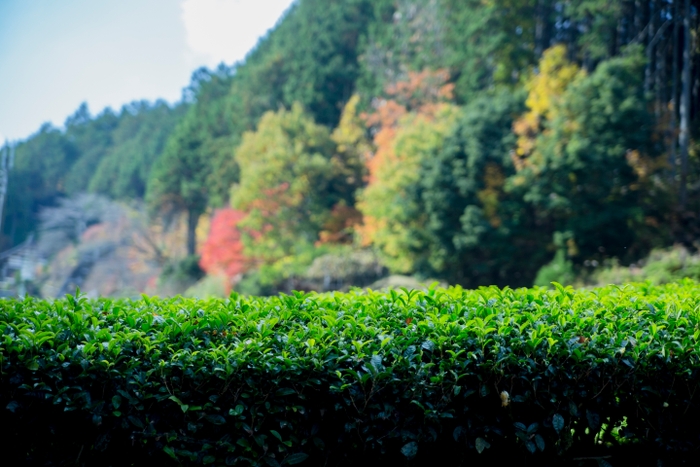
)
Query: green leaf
[
  {"x": 573, "y": 410},
  {"x": 531, "y": 447},
  {"x": 410, "y": 449},
  {"x": 175, "y": 399},
  {"x": 319, "y": 443},
  {"x": 170, "y": 451},
  {"x": 296, "y": 458},
  {"x": 558, "y": 422},
  {"x": 540, "y": 442},
  {"x": 481, "y": 444},
  {"x": 12, "y": 406},
  {"x": 216, "y": 419},
  {"x": 593, "y": 420},
  {"x": 135, "y": 421}
]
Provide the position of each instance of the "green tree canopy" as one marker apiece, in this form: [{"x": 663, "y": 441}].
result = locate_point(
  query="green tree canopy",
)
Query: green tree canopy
[
  {"x": 581, "y": 176},
  {"x": 178, "y": 181},
  {"x": 481, "y": 233}
]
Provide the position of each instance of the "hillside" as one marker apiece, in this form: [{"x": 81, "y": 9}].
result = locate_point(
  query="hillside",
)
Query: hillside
[{"x": 476, "y": 143}]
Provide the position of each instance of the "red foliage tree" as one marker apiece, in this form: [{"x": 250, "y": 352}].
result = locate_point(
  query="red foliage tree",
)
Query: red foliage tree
[{"x": 222, "y": 252}]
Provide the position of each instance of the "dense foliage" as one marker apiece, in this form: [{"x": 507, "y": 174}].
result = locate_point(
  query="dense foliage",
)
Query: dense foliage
[
  {"x": 442, "y": 375},
  {"x": 475, "y": 142}
]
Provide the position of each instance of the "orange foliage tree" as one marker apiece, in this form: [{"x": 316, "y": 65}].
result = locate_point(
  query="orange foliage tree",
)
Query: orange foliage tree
[
  {"x": 222, "y": 252},
  {"x": 408, "y": 124}
]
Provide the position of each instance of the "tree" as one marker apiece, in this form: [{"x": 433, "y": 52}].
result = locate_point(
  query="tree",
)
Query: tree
[
  {"x": 137, "y": 141},
  {"x": 394, "y": 218},
  {"x": 310, "y": 57},
  {"x": 409, "y": 39},
  {"x": 490, "y": 44},
  {"x": 178, "y": 181},
  {"x": 480, "y": 233},
  {"x": 91, "y": 139},
  {"x": 210, "y": 94},
  {"x": 41, "y": 167},
  {"x": 581, "y": 176},
  {"x": 684, "y": 135},
  {"x": 6, "y": 156},
  {"x": 289, "y": 184},
  {"x": 408, "y": 127},
  {"x": 352, "y": 150},
  {"x": 222, "y": 252},
  {"x": 545, "y": 89}
]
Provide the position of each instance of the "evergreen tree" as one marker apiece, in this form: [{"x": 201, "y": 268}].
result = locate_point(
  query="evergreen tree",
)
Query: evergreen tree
[
  {"x": 482, "y": 233},
  {"x": 581, "y": 175},
  {"x": 137, "y": 141},
  {"x": 178, "y": 181}
]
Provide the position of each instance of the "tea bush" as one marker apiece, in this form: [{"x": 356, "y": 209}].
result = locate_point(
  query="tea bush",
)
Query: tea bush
[{"x": 541, "y": 377}]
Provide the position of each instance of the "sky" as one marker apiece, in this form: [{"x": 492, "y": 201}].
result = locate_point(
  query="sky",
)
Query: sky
[{"x": 56, "y": 54}]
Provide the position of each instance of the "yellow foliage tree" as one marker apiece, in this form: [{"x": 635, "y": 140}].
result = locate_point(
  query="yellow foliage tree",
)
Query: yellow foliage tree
[{"x": 545, "y": 88}]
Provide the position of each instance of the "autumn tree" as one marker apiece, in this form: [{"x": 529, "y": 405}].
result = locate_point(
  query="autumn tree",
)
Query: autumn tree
[
  {"x": 353, "y": 147},
  {"x": 394, "y": 219},
  {"x": 289, "y": 184},
  {"x": 545, "y": 88},
  {"x": 222, "y": 252},
  {"x": 409, "y": 125}
]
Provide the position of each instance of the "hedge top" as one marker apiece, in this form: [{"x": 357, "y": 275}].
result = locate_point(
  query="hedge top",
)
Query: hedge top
[
  {"x": 248, "y": 380},
  {"x": 631, "y": 324}
]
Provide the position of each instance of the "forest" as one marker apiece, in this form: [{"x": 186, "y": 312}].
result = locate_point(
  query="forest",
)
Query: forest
[{"x": 469, "y": 142}]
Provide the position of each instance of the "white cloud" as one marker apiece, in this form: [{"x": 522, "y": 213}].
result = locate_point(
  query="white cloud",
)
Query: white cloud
[{"x": 225, "y": 30}]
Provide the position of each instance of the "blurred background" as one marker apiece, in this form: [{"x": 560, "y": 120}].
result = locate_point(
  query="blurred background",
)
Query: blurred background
[{"x": 202, "y": 146}]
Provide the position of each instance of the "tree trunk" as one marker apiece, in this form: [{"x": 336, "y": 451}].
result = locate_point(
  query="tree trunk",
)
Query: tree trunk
[
  {"x": 539, "y": 29},
  {"x": 660, "y": 76},
  {"x": 542, "y": 27},
  {"x": 192, "y": 219},
  {"x": 674, "y": 91},
  {"x": 684, "y": 135},
  {"x": 4, "y": 175},
  {"x": 638, "y": 21},
  {"x": 651, "y": 31}
]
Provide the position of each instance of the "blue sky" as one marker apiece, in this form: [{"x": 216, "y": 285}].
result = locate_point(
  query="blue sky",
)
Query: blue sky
[{"x": 55, "y": 54}]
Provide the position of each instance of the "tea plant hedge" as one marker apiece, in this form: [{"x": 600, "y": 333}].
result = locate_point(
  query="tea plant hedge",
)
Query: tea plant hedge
[{"x": 454, "y": 377}]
